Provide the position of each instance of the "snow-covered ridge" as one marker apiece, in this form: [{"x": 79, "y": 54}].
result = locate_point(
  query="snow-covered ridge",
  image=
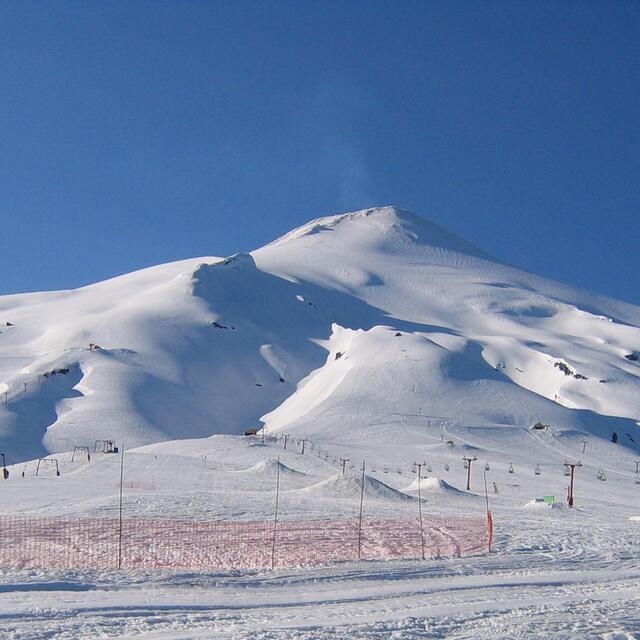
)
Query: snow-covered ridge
[
  {"x": 337, "y": 329},
  {"x": 387, "y": 222}
]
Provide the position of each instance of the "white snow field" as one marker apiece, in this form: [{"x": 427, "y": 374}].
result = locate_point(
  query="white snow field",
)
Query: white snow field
[{"x": 372, "y": 336}]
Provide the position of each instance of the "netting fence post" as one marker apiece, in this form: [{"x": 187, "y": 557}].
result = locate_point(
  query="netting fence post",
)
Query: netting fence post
[
  {"x": 489, "y": 516},
  {"x": 120, "y": 511},
  {"x": 275, "y": 518},
  {"x": 360, "y": 514},
  {"x": 418, "y": 467},
  {"x": 489, "y": 530}
]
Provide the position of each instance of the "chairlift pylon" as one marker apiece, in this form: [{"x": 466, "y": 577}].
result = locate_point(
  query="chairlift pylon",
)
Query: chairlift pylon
[
  {"x": 108, "y": 446},
  {"x": 77, "y": 448},
  {"x": 47, "y": 460}
]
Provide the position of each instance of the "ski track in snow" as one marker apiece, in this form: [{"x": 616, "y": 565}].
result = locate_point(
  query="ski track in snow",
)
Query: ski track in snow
[{"x": 476, "y": 598}]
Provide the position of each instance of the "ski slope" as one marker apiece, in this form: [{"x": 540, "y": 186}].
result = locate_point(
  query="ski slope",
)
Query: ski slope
[
  {"x": 555, "y": 572},
  {"x": 372, "y": 336},
  {"x": 212, "y": 345}
]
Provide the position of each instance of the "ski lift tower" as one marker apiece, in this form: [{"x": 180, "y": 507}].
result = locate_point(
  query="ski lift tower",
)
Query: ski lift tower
[
  {"x": 571, "y": 466},
  {"x": 468, "y": 460}
]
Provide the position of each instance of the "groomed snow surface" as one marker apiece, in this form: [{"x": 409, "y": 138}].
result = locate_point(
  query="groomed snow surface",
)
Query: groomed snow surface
[
  {"x": 372, "y": 336},
  {"x": 554, "y": 572}
]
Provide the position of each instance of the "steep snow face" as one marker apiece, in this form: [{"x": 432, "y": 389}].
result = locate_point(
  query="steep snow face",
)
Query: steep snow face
[
  {"x": 565, "y": 345},
  {"x": 140, "y": 323},
  {"x": 382, "y": 387},
  {"x": 303, "y": 332}
]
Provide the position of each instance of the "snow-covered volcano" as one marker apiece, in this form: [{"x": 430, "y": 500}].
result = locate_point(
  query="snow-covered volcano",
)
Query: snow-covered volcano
[{"x": 364, "y": 327}]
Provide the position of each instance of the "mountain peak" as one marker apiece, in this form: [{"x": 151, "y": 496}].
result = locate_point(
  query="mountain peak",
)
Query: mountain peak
[
  {"x": 387, "y": 226},
  {"x": 380, "y": 310}
]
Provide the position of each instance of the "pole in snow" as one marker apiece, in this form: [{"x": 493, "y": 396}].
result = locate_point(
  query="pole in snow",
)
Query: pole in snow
[
  {"x": 418, "y": 468},
  {"x": 489, "y": 515},
  {"x": 275, "y": 517},
  {"x": 360, "y": 515},
  {"x": 120, "y": 510},
  {"x": 303, "y": 443},
  {"x": 468, "y": 462},
  {"x": 486, "y": 492},
  {"x": 286, "y": 437},
  {"x": 572, "y": 466},
  {"x": 344, "y": 463}
]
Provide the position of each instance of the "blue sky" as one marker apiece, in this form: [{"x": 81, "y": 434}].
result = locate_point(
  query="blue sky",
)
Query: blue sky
[{"x": 134, "y": 133}]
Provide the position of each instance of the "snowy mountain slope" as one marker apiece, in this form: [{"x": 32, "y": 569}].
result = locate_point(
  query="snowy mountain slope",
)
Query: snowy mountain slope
[
  {"x": 513, "y": 318},
  {"x": 564, "y": 345},
  {"x": 370, "y": 337},
  {"x": 209, "y": 345}
]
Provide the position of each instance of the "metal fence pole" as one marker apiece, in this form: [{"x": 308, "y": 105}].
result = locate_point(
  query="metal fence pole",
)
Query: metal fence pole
[
  {"x": 419, "y": 467},
  {"x": 360, "y": 515},
  {"x": 120, "y": 511},
  {"x": 275, "y": 518}
]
